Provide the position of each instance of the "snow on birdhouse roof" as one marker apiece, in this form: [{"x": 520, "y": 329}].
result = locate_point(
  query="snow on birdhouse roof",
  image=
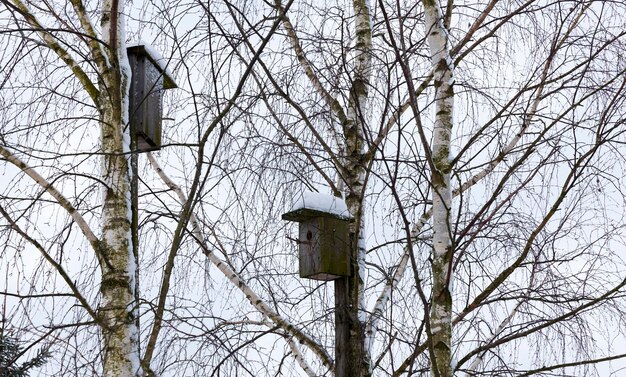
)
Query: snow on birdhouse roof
[
  {"x": 146, "y": 49},
  {"x": 315, "y": 204}
]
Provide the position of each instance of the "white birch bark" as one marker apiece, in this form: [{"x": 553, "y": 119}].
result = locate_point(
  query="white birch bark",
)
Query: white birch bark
[
  {"x": 115, "y": 315},
  {"x": 299, "y": 358},
  {"x": 402, "y": 264},
  {"x": 441, "y": 301},
  {"x": 121, "y": 357},
  {"x": 355, "y": 183}
]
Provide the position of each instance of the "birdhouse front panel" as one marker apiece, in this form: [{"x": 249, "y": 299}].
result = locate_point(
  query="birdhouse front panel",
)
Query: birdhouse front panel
[
  {"x": 145, "y": 102},
  {"x": 324, "y": 251}
]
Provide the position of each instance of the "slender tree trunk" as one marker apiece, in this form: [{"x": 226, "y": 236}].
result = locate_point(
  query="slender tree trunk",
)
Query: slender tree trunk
[
  {"x": 356, "y": 359},
  {"x": 117, "y": 261},
  {"x": 441, "y": 306}
]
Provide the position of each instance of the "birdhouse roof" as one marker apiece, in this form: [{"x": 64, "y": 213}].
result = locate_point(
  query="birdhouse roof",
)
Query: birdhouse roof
[
  {"x": 145, "y": 49},
  {"x": 314, "y": 204}
]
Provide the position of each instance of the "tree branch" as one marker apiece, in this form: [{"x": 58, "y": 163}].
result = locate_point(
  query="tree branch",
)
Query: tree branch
[
  {"x": 255, "y": 300},
  {"x": 50, "y": 189},
  {"x": 57, "y": 266},
  {"x": 55, "y": 46}
]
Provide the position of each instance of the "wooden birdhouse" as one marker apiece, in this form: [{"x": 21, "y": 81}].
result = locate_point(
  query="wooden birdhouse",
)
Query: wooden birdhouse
[
  {"x": 149, "y": 78},
  {"x": 323, "y": 236}
]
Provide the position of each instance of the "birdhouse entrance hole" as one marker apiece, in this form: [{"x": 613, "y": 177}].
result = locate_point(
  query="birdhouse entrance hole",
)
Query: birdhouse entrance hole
[{"x": 323, "y": 242}]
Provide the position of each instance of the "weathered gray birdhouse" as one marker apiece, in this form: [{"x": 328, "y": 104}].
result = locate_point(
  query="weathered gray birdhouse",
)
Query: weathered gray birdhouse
[
  {"x": 323, "y": 241},
  {"x": 150, "y": 78}
]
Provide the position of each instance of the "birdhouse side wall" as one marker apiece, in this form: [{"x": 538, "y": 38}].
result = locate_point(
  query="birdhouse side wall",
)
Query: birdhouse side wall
[{"x": 334, "y": 246}]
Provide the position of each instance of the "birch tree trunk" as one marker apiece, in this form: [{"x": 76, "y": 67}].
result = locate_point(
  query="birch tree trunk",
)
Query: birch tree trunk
[
  {"x": 441, "y": 304},
  {"x": 115, "y": 317},
  {"x": 355, "y": 360},
  {"x": 117, "y": 261},
  {"x": 539, "y": 187}
]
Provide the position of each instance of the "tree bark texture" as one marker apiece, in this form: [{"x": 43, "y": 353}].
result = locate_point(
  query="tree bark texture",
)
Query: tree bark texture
[
  {"x": 356, "y": 359},
  {"x": 117, "y": 261},
  {"x": 441, "y": 301}
]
